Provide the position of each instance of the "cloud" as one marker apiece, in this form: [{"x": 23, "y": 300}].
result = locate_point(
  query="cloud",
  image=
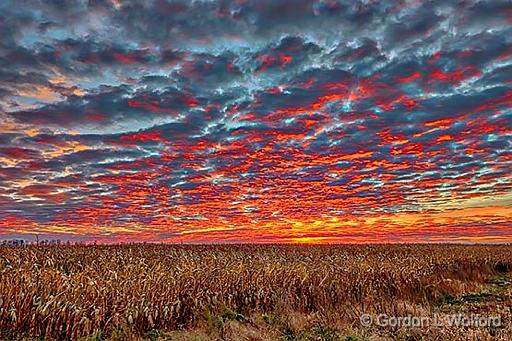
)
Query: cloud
[{"x": 255, "y": 120}]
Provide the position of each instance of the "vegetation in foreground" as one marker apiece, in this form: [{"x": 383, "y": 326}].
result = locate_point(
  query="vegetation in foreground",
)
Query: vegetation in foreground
[{"x": 249, "y": 292}]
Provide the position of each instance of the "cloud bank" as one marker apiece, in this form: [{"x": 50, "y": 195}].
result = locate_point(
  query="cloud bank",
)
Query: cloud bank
[{"x": 256, "y": 121}]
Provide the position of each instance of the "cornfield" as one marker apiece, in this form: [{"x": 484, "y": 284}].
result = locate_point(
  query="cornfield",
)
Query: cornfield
[{"x": 69, "y": 292}]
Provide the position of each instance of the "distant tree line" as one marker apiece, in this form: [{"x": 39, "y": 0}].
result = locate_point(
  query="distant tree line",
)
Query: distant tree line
[
  {"x": 22, "y": 242},
  {"x": 13, "y": 242}
]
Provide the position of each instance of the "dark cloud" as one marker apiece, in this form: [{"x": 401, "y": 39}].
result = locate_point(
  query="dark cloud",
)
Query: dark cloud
[{"x": 175, "y": 115}]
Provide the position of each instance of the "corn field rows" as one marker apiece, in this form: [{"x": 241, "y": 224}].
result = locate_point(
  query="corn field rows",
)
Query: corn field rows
[{"x": 67, "y": 292}]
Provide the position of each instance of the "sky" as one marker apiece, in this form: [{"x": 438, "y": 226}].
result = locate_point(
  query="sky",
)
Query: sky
[{"x": 265, "y": 121}]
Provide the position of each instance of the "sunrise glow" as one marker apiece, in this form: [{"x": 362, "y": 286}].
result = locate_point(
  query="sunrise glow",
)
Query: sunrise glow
[{"x": 256, "y": 121}]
